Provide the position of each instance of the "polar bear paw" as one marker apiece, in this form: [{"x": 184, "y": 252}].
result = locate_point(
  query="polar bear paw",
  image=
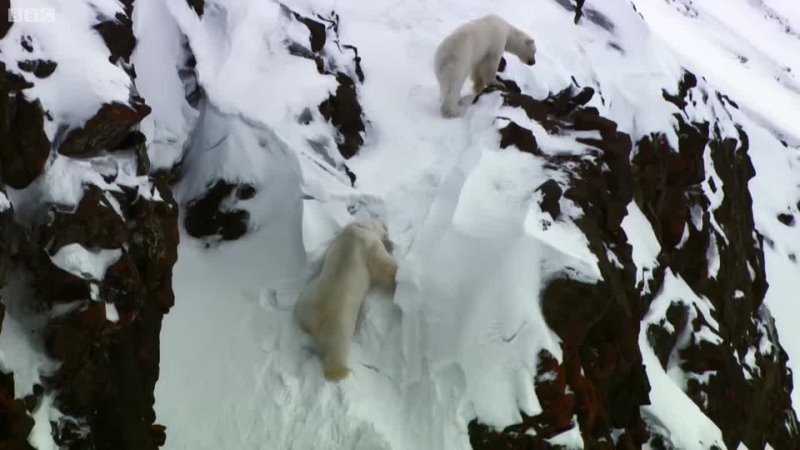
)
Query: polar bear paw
[{"x": 335, "y": 371}]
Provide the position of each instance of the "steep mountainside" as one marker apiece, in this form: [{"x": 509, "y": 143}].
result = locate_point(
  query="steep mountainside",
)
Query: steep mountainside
[{"x": 601, "y": 254}]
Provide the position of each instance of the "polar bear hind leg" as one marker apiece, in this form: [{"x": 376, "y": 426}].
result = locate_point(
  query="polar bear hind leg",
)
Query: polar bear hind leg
[
  {"x": 335, "y": 352},
  {"x": 485, "y": 73},
  {"x": 383, "y": 267},
  {"x": 451, "y": 74}
]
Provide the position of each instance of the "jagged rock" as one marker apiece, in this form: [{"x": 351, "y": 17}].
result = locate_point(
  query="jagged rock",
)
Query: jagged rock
[
  {"x": 341, "y": 108},
  {"x": 15, "y": 423},
  {"x": 5, "y": 23},
  {"x": 687, "y": 82},
  {"x": 667, "y": 190},
  {"x": 520, "y": 137},
  {"x": 106, "y": 130},
  {"x": 24, "y": 146},
  {"x": 204, "y": 216},
  {"x": 597, "y": 323},
  {"x": 27, "y": 43},
  {"x": 197, "y": 6},
  {"x": 109, "y": 368},
  {"x": 118, "y": 35},
  {"x": 344, "y": 112},
  {"x": 786, "y": 219},
  {"x": 41, "y": 68},
  {"x": 551, "y": 195}
]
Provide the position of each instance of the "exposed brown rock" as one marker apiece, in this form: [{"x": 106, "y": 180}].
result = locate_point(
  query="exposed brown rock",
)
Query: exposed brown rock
[
  {"x": 752, "y": 411},
  {"x": 24, "y": 147},
  {"x": 118, "y": 35},
  {"x": 341, "y": 108},
  {"x": 551, "y": 196},
  {"x": 598, "y": 323},
  {"x": 106, "y": 130},
  {"x": 344, "y": 112},
  {"x": 204, "y": 216},
  {"x": 520, "y": 137}
]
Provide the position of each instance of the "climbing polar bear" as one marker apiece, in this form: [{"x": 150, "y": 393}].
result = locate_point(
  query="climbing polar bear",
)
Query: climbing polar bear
[
  {"x": 476, "y": 48},
  {"x": 328, "y": 308}
]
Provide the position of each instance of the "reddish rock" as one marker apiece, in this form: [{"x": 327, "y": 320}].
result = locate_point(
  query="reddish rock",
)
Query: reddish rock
[
  {"x": 601, "y": 379},
  {"x": 342, "y": 108},
  {"x": 24, "y": 147},
  {"x": 753, "y": 411},
  {"x": 117, "y": 33},
  {"x": 106, "y": 130}
]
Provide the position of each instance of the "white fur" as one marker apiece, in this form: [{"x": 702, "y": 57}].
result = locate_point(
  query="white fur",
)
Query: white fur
[
  {"x": 476, "y": 48},
  {"x": 329, "y": 307}
]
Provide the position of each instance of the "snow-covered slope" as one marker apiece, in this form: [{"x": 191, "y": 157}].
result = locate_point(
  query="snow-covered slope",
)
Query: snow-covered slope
[{"x": 585, "y": 258}]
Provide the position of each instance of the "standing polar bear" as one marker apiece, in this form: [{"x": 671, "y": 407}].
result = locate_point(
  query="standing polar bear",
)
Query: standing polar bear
[
  {"x": 476, "y": 48},
  {"x": 328, "y": 308}
]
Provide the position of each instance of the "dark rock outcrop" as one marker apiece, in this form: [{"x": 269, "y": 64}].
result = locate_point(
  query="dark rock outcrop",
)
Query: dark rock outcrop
[
  {"x": 106, "y": 334},
  {"x": 106, "y": 130},
  {"x": 40, "y": 68},
  {"x": 197, "y": 5},
  {"x": 117, "y": 33},
  {"x": 25, "y": 150},
  {"x": 207, "y": 216},
  {"x": 749, "y": 402},
  {"x": 342, "y": 108},
  {"x": 601, "y": 379}
]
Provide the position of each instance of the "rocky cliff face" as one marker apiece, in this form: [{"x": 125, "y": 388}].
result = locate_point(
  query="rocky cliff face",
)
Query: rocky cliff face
[
  {"x": 97, "y": 323},
  {"x": 88, "y": 273},
  {"x": 696, "y": 198}
]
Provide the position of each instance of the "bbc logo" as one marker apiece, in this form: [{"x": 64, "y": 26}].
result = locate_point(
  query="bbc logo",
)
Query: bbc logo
[{"x": 31, "y": 14}]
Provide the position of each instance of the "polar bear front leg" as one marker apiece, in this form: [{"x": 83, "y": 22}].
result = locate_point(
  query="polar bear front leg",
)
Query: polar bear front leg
[
  {"x": 451, "y": 75},
  {"x": 487, "y": 69},
  {"x": 383, "y": 266},
  {"x": 478, "y": 82}
]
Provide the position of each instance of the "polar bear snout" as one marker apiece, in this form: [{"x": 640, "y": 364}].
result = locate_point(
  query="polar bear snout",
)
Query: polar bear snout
[{"x": 531, "y": 61}]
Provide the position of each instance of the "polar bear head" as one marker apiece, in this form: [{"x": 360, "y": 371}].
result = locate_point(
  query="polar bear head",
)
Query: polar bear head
[
  {"x": 377, "y": 227},
  {"x": 522, "y": 45}
]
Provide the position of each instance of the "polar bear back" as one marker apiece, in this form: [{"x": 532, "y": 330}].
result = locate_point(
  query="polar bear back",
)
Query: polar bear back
[
  {"x": 345, "y": 263},
  {"x": 474, "y": 40}
]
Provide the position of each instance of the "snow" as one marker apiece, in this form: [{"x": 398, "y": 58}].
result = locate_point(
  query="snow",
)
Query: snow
[
  {"x": 5, "y": 205},
  {"x": 41, "y": 436},
  {"x": 459, "y": 337},
  {"x": 688, "y": 427},
  {"x": 644, "y": 242},
  {"x": 464, "y": 217},
  {"x": 156, "y": 57},
  {"x": 22, "y": 352},
  {"x": 90, "y": 264},
  {"x": 570, "y": 439},
  {"x": 84, "y": 79}
]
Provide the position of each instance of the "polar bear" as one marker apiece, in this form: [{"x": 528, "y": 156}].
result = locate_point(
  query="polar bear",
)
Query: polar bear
[
  {"x": 476, "y": 48},
  {"x": 328, "y": 308}
]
